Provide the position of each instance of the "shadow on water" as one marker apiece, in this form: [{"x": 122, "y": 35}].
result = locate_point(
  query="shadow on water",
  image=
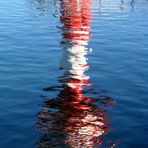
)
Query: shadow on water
[{"x": 76, "y": 117}]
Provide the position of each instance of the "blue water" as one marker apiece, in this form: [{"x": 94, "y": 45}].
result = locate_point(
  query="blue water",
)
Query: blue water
[{"x": 30, "y": 55}]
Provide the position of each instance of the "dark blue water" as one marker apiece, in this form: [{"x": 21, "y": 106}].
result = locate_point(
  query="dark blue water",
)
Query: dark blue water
[{"x": 46, "y": 83}]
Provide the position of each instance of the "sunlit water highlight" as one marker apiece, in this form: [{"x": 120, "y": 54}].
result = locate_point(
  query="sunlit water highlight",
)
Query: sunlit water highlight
[{"x": 73, "y": 73}]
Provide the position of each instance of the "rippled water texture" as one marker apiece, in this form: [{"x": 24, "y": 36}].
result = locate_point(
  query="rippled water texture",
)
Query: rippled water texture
[{"x": 73, "y": 74}]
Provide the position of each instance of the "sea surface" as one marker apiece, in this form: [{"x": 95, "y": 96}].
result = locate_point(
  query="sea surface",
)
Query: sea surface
[{"x": 73, "y": 74}]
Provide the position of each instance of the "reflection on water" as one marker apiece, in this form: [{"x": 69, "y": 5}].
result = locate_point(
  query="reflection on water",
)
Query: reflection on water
[
  {"x": 73, "y": 119},
  {"x": 29, "y": 59},
  {"x": 122, "y": 5},
  {"x": 133, "y": 4},
  {"x": 111, "y": 4},
  {"x": 42, "y": 7}
]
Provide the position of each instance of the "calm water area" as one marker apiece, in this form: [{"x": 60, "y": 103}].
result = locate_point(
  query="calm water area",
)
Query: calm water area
[{"x": 73, "y": 74}]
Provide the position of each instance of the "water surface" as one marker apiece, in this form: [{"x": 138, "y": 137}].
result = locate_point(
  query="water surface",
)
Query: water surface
[{"x": 73, "y": 74}]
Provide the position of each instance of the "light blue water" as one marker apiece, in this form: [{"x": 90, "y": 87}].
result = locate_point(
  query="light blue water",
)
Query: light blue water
[{"x": 30, "y": 54}]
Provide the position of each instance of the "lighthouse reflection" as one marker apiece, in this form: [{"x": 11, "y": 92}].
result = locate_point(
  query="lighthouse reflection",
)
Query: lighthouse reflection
[{"x": 73, "y": 119}]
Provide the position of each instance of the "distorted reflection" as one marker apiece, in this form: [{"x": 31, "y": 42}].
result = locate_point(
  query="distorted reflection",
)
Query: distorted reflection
[
  {"x": 122, "y": 5},
  {"x": 43, "y": 7},
  {"x": 100, "y": 6},
  {"x": 73, "y": 119},
  {"x": 107, "y": 5},
  {"x": 133, "y": 4}
]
